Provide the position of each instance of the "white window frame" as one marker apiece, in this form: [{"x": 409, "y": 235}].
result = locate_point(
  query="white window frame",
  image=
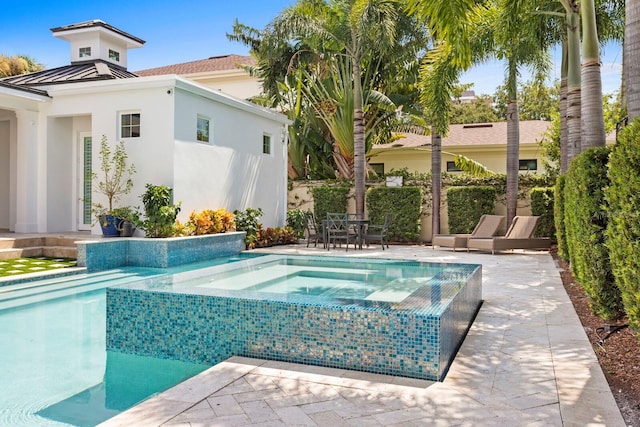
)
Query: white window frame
[
  {"x": 114, "y": 55},
  {"x": 208, "y": 120},
  {"x": 270, "y": 139},
  {"x": 121, "y": 125},
  {"x": 84, "y": 52}
]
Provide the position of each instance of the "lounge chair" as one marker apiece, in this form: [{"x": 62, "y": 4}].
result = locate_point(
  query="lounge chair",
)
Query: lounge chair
[
  {"x": 488, "y": 226},
  {"x": 519, "y": 236}
]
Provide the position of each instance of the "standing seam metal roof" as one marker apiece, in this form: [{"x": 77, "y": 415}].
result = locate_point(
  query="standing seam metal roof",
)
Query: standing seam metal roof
[{"x": 92, "y": 71}]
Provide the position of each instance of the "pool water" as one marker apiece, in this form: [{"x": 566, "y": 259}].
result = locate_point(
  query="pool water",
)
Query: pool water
[{"x": 54, "y": 369}]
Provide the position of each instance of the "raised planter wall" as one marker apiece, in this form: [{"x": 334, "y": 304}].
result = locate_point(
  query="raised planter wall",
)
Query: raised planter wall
[{"x": 107, "y": 254}]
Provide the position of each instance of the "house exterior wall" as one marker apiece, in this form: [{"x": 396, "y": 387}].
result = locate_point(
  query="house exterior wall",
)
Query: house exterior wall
[
  {"x": 492, "y": 156},
  {"x": 240, "y": 85},
  {"x": 230, "y": 171}
]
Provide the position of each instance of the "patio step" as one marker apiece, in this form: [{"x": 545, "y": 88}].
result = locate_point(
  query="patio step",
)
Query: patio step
[{"x": 49, "y": 246}]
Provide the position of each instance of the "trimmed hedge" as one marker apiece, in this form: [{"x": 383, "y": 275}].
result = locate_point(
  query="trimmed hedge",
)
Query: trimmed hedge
[
  {"x": 329, "y": 199},
  {"x": 623, "y": 230},
  {"x": 542, "y": 206},
  {"x": 406, "y": 205},
  {"x": 465, "y": 206},
  {"x": 585, "y": 225},
  {"x": 558, "y": 217}
]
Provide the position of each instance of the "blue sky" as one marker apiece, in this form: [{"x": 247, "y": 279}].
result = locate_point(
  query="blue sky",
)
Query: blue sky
[{"x": 185, "y": 31}]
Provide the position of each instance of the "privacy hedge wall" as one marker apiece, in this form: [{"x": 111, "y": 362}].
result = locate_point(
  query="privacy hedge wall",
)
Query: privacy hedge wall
[
  {"x": 623, "y": 230},
  {"x": 542, "y": 206},
  {"x": 586, "y": 223},
  {"x": 329, "y": 199},
  {"x": 558, "y": 217},
  {"x": 465, "y": 206},
  {"x": 406, "y": 205}
]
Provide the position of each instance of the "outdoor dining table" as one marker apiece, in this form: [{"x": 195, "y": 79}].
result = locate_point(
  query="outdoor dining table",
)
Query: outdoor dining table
[{"x": 359, "y": 226}]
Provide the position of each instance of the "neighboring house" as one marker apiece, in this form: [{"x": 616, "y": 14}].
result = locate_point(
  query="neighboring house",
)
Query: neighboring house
[
  {"x": 223, "y": 73},
  {"x": 485, "y": 143},
  {"x": 214, "y": 150}
]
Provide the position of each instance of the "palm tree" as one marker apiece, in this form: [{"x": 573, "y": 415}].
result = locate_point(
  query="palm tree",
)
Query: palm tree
[
  {"x": 592, "y": 115},
  {"x": 632, "y": 57}
]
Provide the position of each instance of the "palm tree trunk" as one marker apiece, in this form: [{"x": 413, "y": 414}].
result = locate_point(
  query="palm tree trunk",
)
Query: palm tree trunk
[
  {"x": 564, "y": 164},
  {"x": 573, "y": 85},
  {"x": 359, "y": 159},
  {"x": 513, "y": 157},
  {"x": 632, "y": 57},
  {"x": 436, "y": 180},
  {"x": 592, "y": 125}
]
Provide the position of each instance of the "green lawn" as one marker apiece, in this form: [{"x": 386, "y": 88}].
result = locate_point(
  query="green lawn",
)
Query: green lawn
[{"x": 15, "y": 266}]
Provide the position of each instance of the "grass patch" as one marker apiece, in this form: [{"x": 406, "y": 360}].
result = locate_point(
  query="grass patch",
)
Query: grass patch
[{"x": 15, "y": 266}]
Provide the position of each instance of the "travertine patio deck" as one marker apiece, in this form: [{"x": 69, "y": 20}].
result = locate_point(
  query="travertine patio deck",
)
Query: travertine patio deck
[{"x": 526, "y": 361}]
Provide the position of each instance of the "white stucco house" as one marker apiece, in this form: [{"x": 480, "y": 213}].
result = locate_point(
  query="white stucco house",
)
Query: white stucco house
[{"x": 214, "y": 150}]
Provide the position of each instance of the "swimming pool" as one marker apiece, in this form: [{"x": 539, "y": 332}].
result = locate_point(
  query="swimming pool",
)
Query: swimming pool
[
  {"x": 392, "y": 317},
  {"x": 54, "y": 369}
]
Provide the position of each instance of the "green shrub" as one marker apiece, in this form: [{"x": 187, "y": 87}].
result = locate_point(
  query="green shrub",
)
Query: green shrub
[
  {"x": 465, "y": 206},
  {"x": 585, "y": 225},
  {"x": 329, "y": 199},
  {"x": 249, "y": 222},
  {"x": 159, "y": 211},
  {"x": 558, "y": 217},
  {"x": 405, "y": 203},
  {"x": 542, "y": 206},
  {"x": 623, "y": 230},
  {"x": 296, "y": 220}
]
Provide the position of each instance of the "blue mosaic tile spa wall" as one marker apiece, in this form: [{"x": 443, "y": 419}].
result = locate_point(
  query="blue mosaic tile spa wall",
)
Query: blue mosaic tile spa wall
[
  {"x": 408, "y": 342},
  {"x": 107, "y": 254}
]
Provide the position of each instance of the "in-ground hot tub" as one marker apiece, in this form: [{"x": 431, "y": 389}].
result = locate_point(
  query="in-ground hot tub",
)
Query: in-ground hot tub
[{"x": 392, "y": 317}]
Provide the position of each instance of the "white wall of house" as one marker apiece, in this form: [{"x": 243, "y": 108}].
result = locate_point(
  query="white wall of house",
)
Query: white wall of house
[{"x": 242, "y": 176}]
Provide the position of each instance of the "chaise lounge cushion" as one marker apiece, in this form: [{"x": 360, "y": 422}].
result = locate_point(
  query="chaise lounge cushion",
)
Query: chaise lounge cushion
[
  {"x": 487, "y": 226},
  {"x": 519, "y": 236}
]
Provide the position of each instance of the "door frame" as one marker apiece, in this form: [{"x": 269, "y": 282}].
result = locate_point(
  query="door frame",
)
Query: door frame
[{"x": 83, "y": 203}]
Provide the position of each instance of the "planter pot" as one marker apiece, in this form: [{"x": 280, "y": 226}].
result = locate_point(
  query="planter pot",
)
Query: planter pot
[
  {"x": 109, "y": 225},
  {"x": 126, "y": 228}
]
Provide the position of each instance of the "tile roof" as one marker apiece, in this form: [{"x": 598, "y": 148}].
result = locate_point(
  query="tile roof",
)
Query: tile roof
[
  {"x": 215, "y": 63},
  {"x": 78, "y": 72},
  {"x": 531, "y": 131}
]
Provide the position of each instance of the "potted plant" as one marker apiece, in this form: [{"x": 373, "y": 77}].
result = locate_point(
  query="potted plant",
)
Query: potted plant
[
  {"x": 128, "y": 219},
  {"x": 113, "y": 181}
]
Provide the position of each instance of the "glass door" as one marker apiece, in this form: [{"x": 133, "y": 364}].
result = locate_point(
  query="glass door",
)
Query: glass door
[{"x": 84, "y": 181}]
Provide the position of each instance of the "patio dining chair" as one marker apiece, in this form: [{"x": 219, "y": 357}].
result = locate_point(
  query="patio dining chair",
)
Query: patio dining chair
[
  {"x": 314, "y": 231},
  {"x": 379, "y": 233},
  {"x": 337, "y": 230}
]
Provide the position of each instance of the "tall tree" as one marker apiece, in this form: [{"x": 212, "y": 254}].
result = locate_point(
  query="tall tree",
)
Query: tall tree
[
  {"x": 632, "y": 57},
  {"x": 592, "y": 115}
]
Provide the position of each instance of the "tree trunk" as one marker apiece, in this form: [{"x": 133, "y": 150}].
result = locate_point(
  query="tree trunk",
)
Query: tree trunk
[
  {"x": 513, "y": 157},
  {"x": 573, "y": 85},
  {"x": 592, "y": 115},
  {"x": 632, "y": 57},
  {"x": 359, "y": 159},
  {"x": 436, "y": 180},
  {"x": 564, "y": 164}
]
